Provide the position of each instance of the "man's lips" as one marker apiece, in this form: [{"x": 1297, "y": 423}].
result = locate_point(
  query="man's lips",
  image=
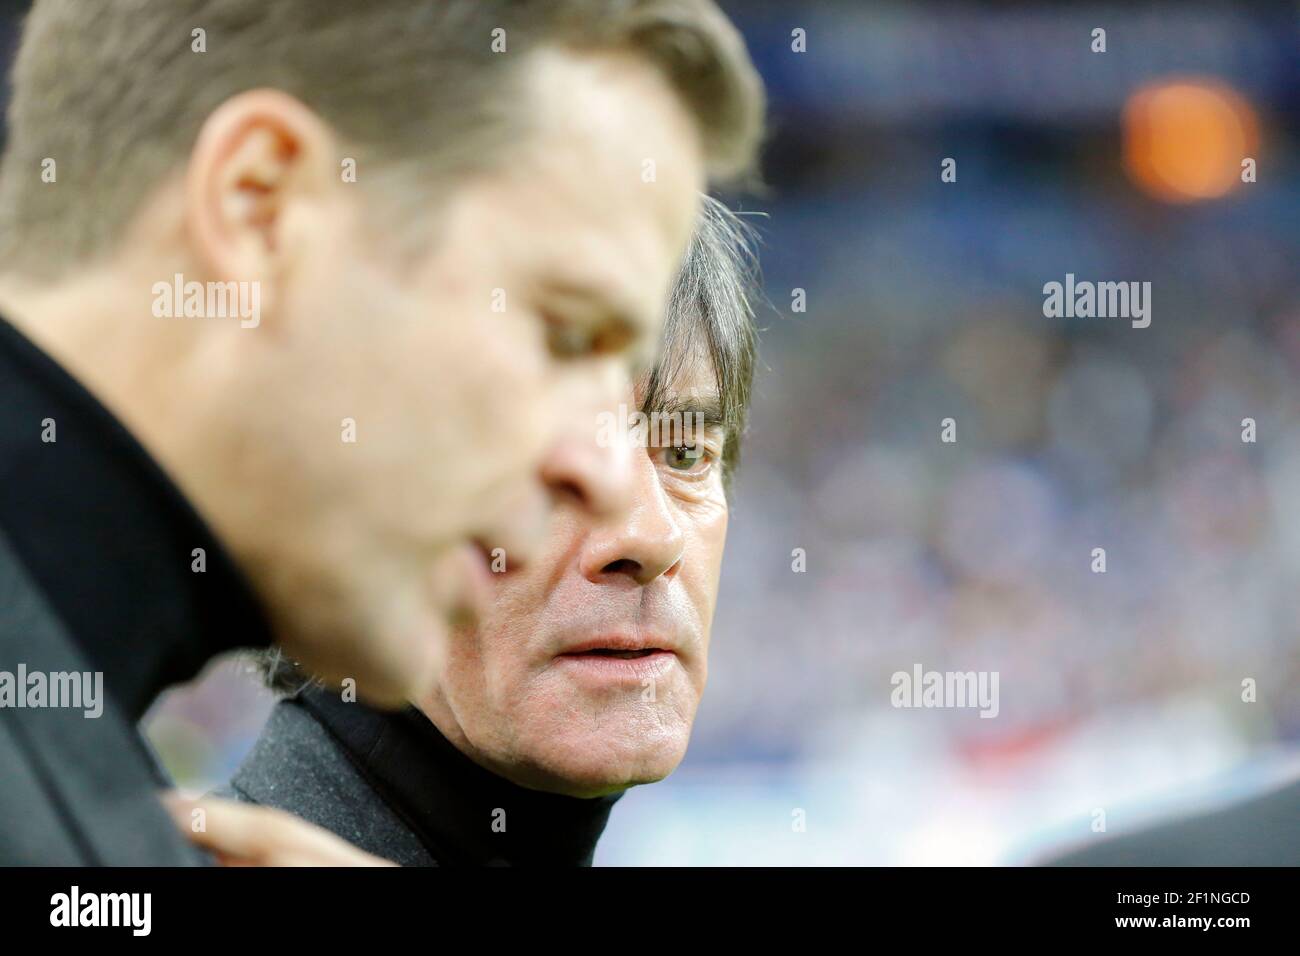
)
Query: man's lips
[
  {"x": 616, "y": 660},
  {"x": 618, "y": 668},
  {"x": 618, "y": 646}
]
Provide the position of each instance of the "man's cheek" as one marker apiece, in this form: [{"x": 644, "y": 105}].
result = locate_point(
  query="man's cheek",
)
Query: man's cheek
[{"x": 708, "y": 520}]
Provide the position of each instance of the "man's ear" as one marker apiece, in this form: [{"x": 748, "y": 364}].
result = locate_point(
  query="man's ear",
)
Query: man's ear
[{"x": 258, "y": 155}]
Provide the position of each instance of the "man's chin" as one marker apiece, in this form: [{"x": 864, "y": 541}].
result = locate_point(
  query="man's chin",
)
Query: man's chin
[{"x": 592, "y": 766}]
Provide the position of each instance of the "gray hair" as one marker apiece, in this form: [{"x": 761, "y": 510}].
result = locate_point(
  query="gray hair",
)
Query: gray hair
[
  {"x": 114, "y": 93},
  {"x": 711, "y": 313}
]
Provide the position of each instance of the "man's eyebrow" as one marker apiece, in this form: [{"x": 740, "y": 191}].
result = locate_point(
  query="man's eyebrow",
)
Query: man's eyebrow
[
  {"x": 706, "y": 409},
  {"x": 608, "y": 303}
]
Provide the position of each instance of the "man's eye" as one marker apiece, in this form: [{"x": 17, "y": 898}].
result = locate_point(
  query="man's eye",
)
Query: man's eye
[
  {"x": 568, "y": 339},
  {"x": 686, "y": 457}
]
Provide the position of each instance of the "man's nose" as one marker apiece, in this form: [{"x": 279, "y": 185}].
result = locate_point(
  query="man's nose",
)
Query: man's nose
[
  {"x": 591, "y": 460},
  {"x": 591, "y": 466},
  {"x": 642, "y": 546}
]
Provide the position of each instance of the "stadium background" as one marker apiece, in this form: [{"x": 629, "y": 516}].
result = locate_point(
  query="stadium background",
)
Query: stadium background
[{"x": 1119, "y": 691}]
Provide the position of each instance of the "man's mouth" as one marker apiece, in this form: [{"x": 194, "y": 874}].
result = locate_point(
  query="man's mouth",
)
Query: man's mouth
[
  {"x": 627, "y": 646},
  {"x": 613, "y": 652},
  {"x": 618, "y": 659}
]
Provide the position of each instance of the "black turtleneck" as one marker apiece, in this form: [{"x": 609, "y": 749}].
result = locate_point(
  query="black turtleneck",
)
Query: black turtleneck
[
  {"x": 108, "y": 537},
  {"x": 462, "y": 813},
  {"x": 96, "y": 575}
]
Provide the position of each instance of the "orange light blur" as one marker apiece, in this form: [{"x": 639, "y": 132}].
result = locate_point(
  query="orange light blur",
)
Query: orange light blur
[{"x": 1185, "y": 139}]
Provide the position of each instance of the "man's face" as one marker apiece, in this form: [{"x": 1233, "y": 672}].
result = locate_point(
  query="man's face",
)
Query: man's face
[
  {"x": 585, "y": 675},
  {"x": 464, "y": 379}
]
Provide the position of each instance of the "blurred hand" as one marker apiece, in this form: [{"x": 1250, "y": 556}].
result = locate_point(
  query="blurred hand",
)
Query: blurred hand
[{"x": 241, "y": 834}]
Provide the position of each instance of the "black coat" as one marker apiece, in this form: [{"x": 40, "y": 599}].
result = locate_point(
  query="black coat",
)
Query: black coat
[{"x": 95, "y": 577}]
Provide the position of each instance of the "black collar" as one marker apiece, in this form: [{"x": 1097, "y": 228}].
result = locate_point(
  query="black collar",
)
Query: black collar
[
  {"x": 462, "y": 813},
  {"x": 108, "y": 538}
]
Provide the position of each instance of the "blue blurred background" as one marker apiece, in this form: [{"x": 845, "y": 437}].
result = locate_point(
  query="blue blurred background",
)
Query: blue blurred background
[{"x": 1119, "y": 691}]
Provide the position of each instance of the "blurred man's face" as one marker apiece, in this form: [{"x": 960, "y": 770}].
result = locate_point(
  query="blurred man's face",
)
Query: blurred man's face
[
  {"x": 467, "y": 377},
  {"x": 585, "y": 675}
]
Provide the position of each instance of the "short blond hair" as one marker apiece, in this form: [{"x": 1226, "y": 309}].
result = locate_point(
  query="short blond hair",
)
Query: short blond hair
[{"x": 115, "y": 93}]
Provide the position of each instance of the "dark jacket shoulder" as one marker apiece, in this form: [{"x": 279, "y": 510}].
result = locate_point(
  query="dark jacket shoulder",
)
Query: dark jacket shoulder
[
  {"x": 79, "y": 789},
  {"x": 298, "y": 766}
]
